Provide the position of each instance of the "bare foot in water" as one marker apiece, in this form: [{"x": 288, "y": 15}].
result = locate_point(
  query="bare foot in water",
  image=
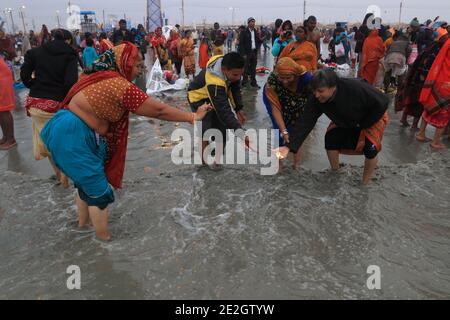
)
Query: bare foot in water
[
  {"x": 8, "y": 145},
  {"x": 421, "y": 138},
  {"x": 64, "y": 182},
  {"x": 103, "y": 236},
  {"x": 404, "y": 123},
  {"x": 438, "y": 146}
]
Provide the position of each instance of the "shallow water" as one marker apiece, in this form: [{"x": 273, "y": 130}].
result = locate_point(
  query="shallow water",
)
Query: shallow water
[{"x": 189, "y": 232}]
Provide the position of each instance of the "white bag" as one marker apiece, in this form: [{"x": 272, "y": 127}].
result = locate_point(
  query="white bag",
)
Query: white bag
[
  {"x": 157, "y": 83},
  {"x": 339, "y": 50}
]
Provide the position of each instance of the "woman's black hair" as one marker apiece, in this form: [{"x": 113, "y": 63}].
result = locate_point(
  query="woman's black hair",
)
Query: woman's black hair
[
  {"x": 57, "y": 34},
  {"x": 311, "y": 18},
  {"x": 324, "y": 78},
  {"x": 278, "y": 23},
  {"x": 89, "y": 42},
  {"x": 233, "y": 60},
  {"x": 287, "y": 22},
  {"x": 366, "y": 18}
]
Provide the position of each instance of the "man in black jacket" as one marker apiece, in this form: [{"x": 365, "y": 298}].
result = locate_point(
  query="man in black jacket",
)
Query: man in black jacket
[
  {"x": 123, "y": 34},
  {"x": 248, "y": 45},
  {"x": 358, "y": 114}
]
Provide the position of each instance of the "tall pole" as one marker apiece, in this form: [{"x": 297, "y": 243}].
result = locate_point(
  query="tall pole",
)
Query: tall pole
[
  {"x": 23, "y": 20},
  {"x": 104, "y": 22},
  {"x": 12, "y": 20},
  {"x": 304, "y": 10},
  {"x": 182, "y": 14},
  {"x": 57, "y": 18},
  {"x": 232, "y": 16},
  {"x": 147, "y": 25},
  {"x": 34, "y": 24},
  {"x": 6, "y": 18},
  {"x": 400, "y": 14}
]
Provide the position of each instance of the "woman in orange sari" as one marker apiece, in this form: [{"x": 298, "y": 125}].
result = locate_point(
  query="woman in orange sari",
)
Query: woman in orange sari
[
  {"x": 88, "y": 137},
  {"x": 303, "y": 52},
  {"x": 7, "y": 103},
  {"x": 203, "y": 53},
  {"x": 372, "y": 53},
  {"x": 187, "y": 48},
  {"x": 435, "y": 97}
]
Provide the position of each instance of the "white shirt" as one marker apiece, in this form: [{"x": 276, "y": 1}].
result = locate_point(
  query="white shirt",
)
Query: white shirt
[{"x": 252, "y": 32}]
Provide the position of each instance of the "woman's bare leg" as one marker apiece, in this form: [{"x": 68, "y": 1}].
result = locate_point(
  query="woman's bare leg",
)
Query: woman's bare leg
[
  {"x": 369, "y": 168},
  {"x": 333, "y": 157},
  {"x": 421, "y": 135},
  {"x": 436, "y": 143},
  {"x": 415, "y": 124},
  {"x": 60, "y": 177},
  {"x": 7, "y": 126},
  {"x": 404, "y": 120},
  {"x": 83, "y": 212},
  {"x": 99, "y": 219}
]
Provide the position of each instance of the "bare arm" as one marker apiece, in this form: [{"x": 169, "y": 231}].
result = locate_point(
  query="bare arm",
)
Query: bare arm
[
  {"x": 154, "y": 109},
  {"x": 279, "y": 118}
]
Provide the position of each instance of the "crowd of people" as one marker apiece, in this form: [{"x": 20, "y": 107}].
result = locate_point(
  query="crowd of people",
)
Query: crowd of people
[{"x": 80, "y": 122}]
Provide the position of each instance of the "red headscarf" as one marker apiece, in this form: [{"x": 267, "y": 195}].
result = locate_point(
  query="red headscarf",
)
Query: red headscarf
[{"x": 116, "y": 62}]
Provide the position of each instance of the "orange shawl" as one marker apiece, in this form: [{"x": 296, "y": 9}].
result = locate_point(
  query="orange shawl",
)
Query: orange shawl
[
  {"x": 435, "y": 93},
  {"x": 304, "y": 54},
  {"x": 372, "y": 53}
]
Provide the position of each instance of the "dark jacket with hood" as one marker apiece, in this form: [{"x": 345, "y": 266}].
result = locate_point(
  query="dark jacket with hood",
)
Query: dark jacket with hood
[{"x": 55, "y": 67}]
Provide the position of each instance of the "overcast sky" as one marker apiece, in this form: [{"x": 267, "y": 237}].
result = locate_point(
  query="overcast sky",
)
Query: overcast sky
[{"x": 327, "y": 11}]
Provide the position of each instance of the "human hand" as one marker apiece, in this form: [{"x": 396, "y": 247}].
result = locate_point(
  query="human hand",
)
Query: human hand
[
  {"x": 286, "y": 138},
  {"x": 281, "y": 152},
  {"x": 242, "y": 117},
  {"x": 202, "y": 111}
]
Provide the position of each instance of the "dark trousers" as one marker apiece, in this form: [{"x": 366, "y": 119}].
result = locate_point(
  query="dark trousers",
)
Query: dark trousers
[
  {"x": 347, "y": 139},
  {"x": 250, "y": 68},
  {"x": 178, "y": 65}
]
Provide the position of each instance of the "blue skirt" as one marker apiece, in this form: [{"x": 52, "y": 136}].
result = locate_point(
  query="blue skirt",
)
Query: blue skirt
[{"x": 80, "y": 154}]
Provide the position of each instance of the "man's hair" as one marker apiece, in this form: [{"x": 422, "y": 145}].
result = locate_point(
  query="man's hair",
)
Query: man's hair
[
  {"x": 311, "y": 19},
  {"x": 278, "y": 23},
  {"x": 233, "y": 60},
  {"x": 324, "y": 78},
  {"x": 122, "y": 21}
]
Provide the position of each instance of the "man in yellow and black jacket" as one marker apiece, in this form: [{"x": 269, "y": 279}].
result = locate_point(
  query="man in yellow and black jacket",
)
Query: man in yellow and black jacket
[{"x": 219, "y": 85}]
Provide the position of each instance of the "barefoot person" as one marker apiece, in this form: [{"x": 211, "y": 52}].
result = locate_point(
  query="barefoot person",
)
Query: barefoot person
[
  {"x": 218, "y": 84},
  {"x": 88, "y": 138},
  {"x": 358, "y": 114},
  {"x": 285, "y": 96},
  {"x": 7, "y": 103},
  {"x": 435, "y": 97},
  {"x": 49, "y": 71}
]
